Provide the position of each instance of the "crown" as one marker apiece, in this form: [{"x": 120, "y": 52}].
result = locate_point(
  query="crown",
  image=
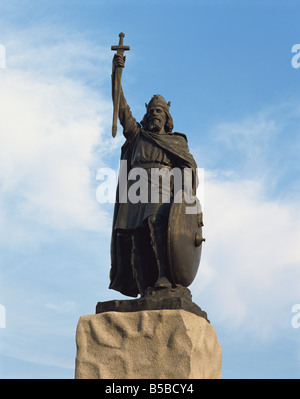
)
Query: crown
[{"x": 158, "y": 101}]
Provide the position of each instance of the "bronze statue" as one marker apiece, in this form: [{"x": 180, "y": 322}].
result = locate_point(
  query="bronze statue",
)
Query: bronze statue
[{"x": 154, "y": 243}]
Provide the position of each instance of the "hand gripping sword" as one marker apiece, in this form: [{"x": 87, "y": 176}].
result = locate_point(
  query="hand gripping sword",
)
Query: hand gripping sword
[{"x": 117, "y": 84}]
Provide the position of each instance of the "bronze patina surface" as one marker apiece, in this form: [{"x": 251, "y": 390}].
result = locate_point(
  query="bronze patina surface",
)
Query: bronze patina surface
[{"x": 155, "y": 244}]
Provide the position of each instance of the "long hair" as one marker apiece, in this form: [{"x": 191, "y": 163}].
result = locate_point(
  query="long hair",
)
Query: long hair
[{"x": 168, "y": 125}]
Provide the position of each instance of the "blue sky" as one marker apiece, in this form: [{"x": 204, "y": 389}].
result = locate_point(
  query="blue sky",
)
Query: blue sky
[{"x": 226, "y": 68}]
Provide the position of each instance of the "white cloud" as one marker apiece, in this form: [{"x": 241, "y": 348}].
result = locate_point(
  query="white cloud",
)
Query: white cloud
[
  {"x": 263, "y": 147},
  {"x": 250, "y": 263},
  {"x": 53, "y": 131},
  {"x": 64, "y": 307},
  {"x": 249, "y": 273}
]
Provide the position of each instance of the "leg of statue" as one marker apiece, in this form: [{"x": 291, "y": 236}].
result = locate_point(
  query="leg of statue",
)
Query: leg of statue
[
  {"x": 158, "y": 233},
  {"x": 137, "y": 264}
]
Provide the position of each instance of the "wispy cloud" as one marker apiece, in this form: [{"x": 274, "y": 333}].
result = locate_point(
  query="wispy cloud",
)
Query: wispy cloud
[
  {"x": 53, "y": 130},
  {"x": 250, "y": 268},
  {"x": 54, "y": 135},
  {"x": 63, "y": 307},
  {"x": 251, "y": 256},
  {"x": 263, "y": 147}
]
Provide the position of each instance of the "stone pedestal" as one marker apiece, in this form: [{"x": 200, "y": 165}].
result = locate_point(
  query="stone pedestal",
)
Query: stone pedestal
[{"x": 152, "y": 344}]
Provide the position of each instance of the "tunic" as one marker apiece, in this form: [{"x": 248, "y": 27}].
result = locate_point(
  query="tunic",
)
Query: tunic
[{"x": 151, "y": 186}]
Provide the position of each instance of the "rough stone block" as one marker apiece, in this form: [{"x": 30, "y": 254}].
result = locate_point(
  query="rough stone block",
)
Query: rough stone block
[{"x": 152, "y": 344}]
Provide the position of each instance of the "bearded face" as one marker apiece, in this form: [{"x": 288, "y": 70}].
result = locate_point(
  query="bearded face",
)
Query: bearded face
[{"x": 156, "y": 119}]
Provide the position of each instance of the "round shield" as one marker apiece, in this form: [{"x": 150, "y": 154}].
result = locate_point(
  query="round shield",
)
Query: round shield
[{"x": 184, "y": 239}]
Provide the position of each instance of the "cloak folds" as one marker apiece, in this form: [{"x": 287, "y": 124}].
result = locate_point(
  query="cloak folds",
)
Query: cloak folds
[{"x": 121, "y": 274}]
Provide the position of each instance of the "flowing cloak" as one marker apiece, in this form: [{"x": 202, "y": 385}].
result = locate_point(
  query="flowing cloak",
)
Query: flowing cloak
[{"x": 121, "y": 274}]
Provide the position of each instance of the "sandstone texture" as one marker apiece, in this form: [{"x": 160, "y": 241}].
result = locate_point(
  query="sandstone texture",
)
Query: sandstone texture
[{"x": 151, "y": 344}]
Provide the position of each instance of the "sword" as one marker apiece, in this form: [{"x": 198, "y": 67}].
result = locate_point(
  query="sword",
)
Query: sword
[{"x": 117, "y": 84}]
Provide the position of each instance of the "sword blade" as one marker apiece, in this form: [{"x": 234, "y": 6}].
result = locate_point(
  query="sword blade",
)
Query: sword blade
[
  {"x": 117, "y": 92},
  {"x": 117, "y": 84}
]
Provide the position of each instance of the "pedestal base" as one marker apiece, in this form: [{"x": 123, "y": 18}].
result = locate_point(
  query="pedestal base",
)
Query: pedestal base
[{"x": 153, "y": 344}]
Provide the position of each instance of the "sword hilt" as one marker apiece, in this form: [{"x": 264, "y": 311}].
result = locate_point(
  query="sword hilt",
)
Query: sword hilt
[{"x": 120, "y": 47}]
